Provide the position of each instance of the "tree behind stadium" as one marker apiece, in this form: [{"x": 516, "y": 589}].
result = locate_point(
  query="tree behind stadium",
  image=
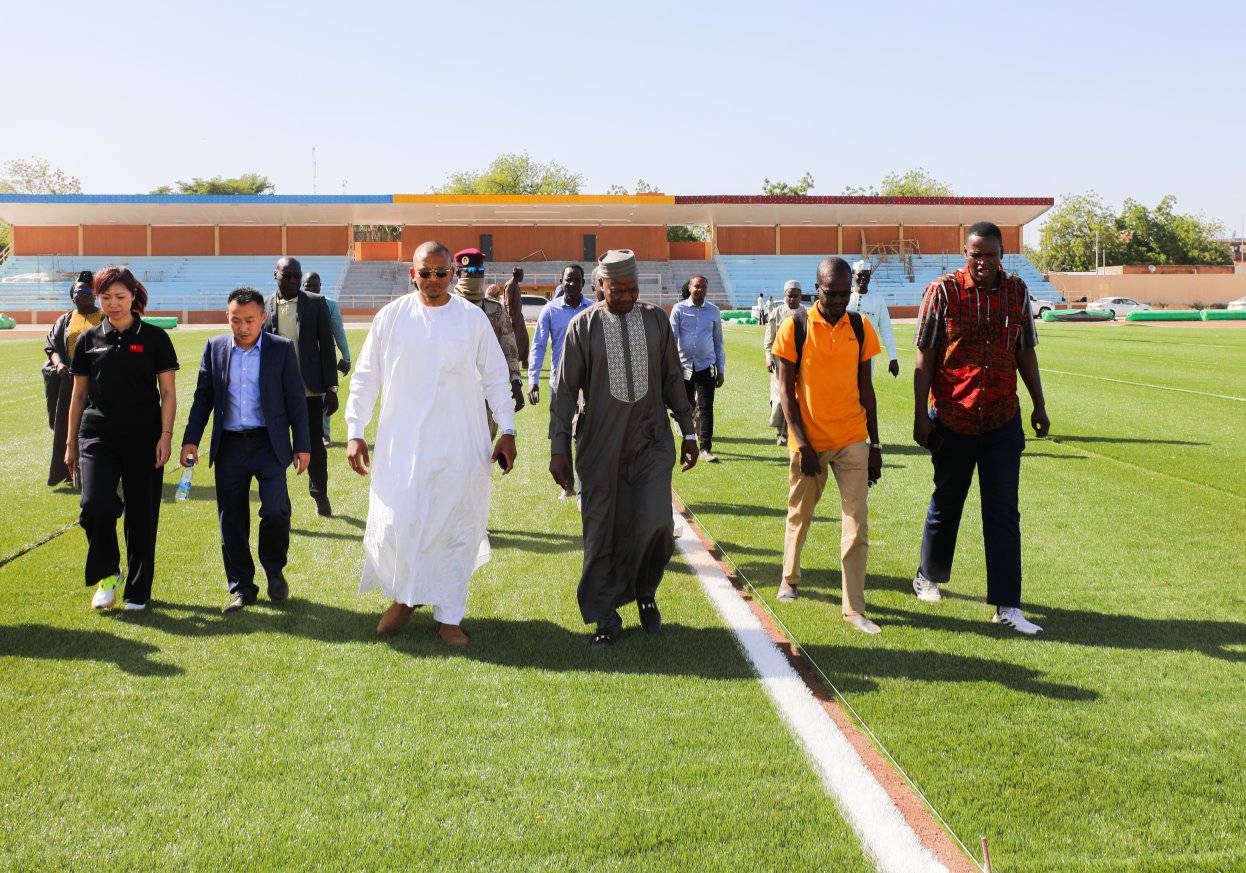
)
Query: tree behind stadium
[
  {"x": 247, "y": 183},
  {"x": 514, "y": 174}
]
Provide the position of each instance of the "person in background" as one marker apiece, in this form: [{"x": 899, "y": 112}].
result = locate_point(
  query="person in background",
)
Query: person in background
[
  {"x": 59, "y": 348},
  {"x": 311, "y": 285},
  {"x": 551, "y": 328},
  {"x": 975, "y": 332},
  {"x": 823, "y": 357},
  {"x": 698, "y": 329},
  {"x": 874, "y": 308},
  {"x": 251, "y": 387},
  {"x": 791, "y": 305},
  {"x": 120, "y": 428},
  {"x": 305, "y": 319},
  {"x": 469, "y": 266}
]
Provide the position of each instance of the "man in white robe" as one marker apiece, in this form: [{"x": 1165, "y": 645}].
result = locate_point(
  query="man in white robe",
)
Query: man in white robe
[{"x": 434, "y": 361}]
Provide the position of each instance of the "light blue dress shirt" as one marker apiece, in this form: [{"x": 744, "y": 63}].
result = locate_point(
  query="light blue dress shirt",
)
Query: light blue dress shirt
[
  {"x": 242, "y": 388},
  {"x": 699, "y": 335},
  {"x": 551, "y": 327}
]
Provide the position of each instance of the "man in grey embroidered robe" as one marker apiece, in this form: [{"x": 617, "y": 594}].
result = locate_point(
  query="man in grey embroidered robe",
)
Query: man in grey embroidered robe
[{"x": 622, "y": 355}]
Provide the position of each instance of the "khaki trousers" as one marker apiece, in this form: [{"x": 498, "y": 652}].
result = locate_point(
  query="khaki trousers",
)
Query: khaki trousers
[{"x": 850, "y": 466}]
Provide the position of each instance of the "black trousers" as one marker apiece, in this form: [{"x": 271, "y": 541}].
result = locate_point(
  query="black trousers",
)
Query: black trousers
[
  {"x": 240, "y": 459},
  {"x": 57, "y": 471},
  {"x": 103, "y": 463},
  {"x": 701, "y": 395},
  {"x": 996, "y": 455},
  {"x": 318, "y": 467}
]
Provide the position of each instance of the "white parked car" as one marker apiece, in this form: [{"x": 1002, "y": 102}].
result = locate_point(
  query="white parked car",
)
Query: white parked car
[
  {"x": 1118, "y": 306},
  {"x": 1237, "y": 305},
  {"x": 1038, "y": 307},
  {"x": 532, "y": 306}
]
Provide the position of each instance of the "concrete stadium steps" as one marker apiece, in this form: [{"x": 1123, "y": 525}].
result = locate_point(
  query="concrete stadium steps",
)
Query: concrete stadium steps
[
  {"x": 374, "y": 283},
  {"x": 749, "y": 275},
  {"x": 30, "y": 282}
]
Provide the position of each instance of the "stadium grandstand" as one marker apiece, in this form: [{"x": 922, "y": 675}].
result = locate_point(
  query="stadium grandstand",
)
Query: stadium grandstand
[{"x": 190, "y": 251}]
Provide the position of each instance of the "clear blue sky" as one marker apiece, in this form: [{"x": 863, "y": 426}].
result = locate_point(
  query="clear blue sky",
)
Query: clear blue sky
[{"x": 1129, "y": 99}]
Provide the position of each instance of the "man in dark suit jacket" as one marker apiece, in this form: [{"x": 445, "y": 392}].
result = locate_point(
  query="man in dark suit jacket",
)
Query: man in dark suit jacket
[
  {"x": 250, "y": 384},
  {"x": 305, "y": 318}
]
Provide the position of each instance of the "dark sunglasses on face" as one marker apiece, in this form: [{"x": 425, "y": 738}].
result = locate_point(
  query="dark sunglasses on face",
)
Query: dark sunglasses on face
[{"x": 424, "y": 273}]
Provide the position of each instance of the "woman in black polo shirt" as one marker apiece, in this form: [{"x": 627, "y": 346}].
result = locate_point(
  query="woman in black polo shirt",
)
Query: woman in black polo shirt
[{"x": 120, "y": 426}]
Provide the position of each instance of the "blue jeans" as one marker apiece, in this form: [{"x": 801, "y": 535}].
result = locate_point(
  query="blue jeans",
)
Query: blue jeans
[{"x": 997, "y": 456}]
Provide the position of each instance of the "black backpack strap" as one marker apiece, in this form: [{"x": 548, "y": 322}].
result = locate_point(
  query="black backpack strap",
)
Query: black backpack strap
[
  {"x": 800, "y": 327},
  {"x": 854, "y": 318}
]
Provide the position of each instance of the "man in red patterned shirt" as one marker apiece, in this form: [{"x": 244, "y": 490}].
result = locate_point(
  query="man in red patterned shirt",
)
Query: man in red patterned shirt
[{"x": 975, "y": 333}]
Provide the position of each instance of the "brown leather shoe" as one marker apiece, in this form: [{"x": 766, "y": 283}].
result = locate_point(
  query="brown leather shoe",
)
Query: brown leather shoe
[
  {"x": 394, "y": 618},
  {"x": 452, "y": 634}
]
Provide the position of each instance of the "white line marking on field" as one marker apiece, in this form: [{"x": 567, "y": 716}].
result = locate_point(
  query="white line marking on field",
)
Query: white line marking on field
[
  {"x": 1146, "y": 385},
  {"x": 882, "y": 829}
]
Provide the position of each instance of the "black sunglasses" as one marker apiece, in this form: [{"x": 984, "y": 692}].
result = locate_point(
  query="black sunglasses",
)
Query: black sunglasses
[{"x": 424, "y": 273}]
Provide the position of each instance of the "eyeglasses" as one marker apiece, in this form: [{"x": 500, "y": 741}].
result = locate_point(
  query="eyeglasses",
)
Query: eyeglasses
[{"x": 424, "y": 273}]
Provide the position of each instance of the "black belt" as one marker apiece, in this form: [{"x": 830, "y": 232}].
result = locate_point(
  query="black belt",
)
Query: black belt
[{"x": 254, "y": 433}]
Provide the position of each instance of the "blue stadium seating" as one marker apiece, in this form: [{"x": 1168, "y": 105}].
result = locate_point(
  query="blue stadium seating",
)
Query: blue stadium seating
[
  {"x": 174, "y": 283},
  {"x": 749, "y": 275}
]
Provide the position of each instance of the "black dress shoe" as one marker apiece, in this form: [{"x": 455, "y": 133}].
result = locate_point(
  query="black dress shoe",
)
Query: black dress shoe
[
  {"x": 236, "y": 602},
  {"x": 604, "y": 636},
  {"x": 650, "y": 616},
  {"x": 278, "y": 589},
  {"x": 323, "y": 509}
]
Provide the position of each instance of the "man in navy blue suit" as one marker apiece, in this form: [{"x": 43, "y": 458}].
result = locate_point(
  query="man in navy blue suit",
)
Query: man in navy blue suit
[{"x": 250, "y": 380}]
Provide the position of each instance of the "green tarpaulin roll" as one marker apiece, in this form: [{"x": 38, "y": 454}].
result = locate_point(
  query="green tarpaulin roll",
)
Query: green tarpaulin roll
[
  {"x": 1165, "y": 315},
  {"x": 168, "y": 322},
  {"x": 6, "y": 323},
  {"x": 1077, "y": 315},
  {"x": 1224, "y": 315}
]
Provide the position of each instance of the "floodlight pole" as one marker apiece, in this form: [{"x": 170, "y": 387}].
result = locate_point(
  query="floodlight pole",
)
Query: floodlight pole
[{"x": 313, "y": 169}]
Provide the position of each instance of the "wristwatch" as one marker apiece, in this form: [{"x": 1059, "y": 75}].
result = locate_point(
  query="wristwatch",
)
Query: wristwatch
[
  {"x": 878, "y": 446},
  {"x": 507, "y": 431},
  {"x": 690, "y": 437}
]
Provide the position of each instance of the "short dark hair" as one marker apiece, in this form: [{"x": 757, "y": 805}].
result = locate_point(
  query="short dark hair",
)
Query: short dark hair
[
  {"x": 113, "y": 275},
  {"x": 575, "y": 267},
  {"x": 835, "y": 267},
  {"x": 699, "y": 276},
  {"x": 985, "y": 230},
  {"x": 244, "y": 295}
]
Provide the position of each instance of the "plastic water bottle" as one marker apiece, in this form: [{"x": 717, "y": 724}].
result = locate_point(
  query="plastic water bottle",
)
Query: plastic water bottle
[{"x": 183, "y": 484}]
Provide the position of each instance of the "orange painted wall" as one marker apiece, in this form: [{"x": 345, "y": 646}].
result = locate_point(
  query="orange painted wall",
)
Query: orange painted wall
[
  {"x": 378, "y": 251},
  {"x": 31, "y": 240},
  {"x": 874, "y": 235},
  {"x": 196, "y": 240},
  {"x": 935, "y": 240},
  {"x": 510, "y": 243},
  {"x": 260, "y": 240},
  {"x": 689, "y": 251},
  {"x": 308, "y": 240},
  {"x": 1012, "y": 240},
  {"x": 740, "y": 240},
  {"x": 114, "y": 239},
  {"x": 802, "y": 240}
]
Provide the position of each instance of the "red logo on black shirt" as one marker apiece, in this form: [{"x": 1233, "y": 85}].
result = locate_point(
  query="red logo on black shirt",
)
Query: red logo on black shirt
[{"x": 136, "y": 348}]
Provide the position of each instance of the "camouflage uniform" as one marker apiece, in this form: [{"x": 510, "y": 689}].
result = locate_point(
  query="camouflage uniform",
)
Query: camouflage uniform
[{"x": 500, "y": 319}]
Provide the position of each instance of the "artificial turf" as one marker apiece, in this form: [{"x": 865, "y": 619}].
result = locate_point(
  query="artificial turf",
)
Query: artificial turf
[
  {"x": 291, "y": 738},
  {"x": 1111, "y": 742}
]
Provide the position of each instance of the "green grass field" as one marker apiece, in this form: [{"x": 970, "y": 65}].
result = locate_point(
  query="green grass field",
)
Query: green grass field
[{"x": 290, "y": 738}]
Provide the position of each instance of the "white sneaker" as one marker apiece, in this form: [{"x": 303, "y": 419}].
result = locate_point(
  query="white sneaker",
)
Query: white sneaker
[
  {"x": 863, "y": 624},
  {"x": 134, "y": 607},
  {"x": 708, "y": 457},
  {"x": 926, "y": 590},
  {"x": 787, "y": 593},
  {"x": 105, "y": 594},
  {"x": 1011, "y": 616}
]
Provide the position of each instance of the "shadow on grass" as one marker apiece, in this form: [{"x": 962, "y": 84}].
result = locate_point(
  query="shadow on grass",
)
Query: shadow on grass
[
  {"x": 1063, "y": 438},
  {"x": 854, "y": 670},
  {"x": 1225, "y": 640},
  {"x": 325, "y": 534},
  {"x": 534, "y": 541},
  {"x": 40, "y": 642},
  {"x": 912, "y": 449},
  {"x": 705, "y": 508}
]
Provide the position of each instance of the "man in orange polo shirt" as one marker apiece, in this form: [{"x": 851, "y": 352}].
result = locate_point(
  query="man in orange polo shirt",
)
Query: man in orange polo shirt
[{"x": 827, "y": 395}]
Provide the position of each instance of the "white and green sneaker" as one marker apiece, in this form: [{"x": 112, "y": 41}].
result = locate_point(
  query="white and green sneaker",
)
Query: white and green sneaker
[{"x": 106, "y": 593}]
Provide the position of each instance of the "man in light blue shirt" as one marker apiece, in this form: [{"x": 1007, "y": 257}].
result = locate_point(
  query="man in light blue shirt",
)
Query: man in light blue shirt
[
  {"x": 551, "y": 327},
  {"x": 698, "y": 328},
  {"x": 242, "y": 387}
]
